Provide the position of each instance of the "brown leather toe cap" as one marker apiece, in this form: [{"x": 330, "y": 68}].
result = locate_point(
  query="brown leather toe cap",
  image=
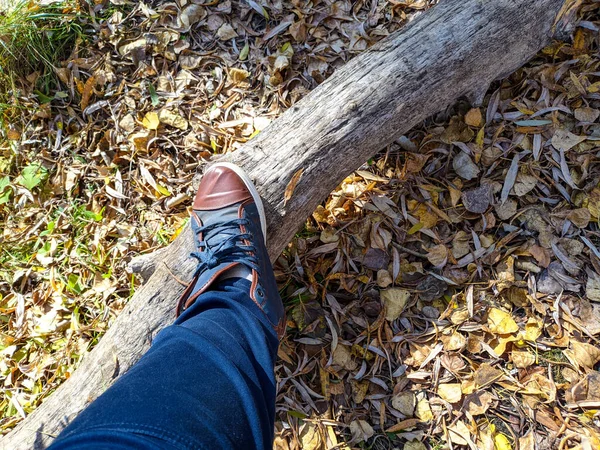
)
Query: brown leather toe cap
[{"x": 220, "y": 187}]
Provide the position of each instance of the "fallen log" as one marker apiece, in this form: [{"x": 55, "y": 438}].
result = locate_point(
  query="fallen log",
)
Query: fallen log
[{"x": 457, "y": 48}]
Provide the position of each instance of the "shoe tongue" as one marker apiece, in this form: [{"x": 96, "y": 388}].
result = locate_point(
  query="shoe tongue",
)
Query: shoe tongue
[{"x": 222, "y": 215}]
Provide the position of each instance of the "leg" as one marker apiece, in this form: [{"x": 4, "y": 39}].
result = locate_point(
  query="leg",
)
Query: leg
[{"x": 207, "y": 382}]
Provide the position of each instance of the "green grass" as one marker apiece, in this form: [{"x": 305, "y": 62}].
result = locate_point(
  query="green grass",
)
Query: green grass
[{"x": 34, "y": 39}]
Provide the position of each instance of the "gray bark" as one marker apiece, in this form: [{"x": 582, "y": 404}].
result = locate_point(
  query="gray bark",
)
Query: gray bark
[{"x": 456, "y": 48}]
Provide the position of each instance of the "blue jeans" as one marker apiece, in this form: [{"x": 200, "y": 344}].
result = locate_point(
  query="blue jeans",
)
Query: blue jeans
[{"x": 207, "y": 382}]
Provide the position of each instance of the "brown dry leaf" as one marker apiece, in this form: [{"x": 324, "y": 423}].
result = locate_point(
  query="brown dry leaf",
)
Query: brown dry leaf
[
  {"x": 454, "y": 341},
  {"x": 592, "y": 287},
  {"x": 522, "y": 359},
  {"x": 486, "y": 375},
  {"x": 361, "y": 430},
  {"x": 13, "y": 134},
  {"x": 88, "y": 90},
  {"x": 414, "y": 445},
  {"x": 291, "y": 186},
  {"x": 586, "y": 114},
  {"x": 403, "y": 425},
  {"x": 527, "y": 442},
  {"x": 478, "y": 402},
  {"x": 582, "y": 354},
  {"x": 459, "y": 433},
  {"x": 541, "y": 255},
  {"x": 190, "y": 15},
  {"x": 524, "y": 184},
  {"x": 506, "y": 210},
  {"x": 541, "y": 386},
  {"x": 580, "y": 217},
  {"x": 405, "y": 402},
  {"x": 394, "y": 300},
  {"x": 438, "y": 255},
  {"x": 587, "y": 389},
  {"x": 384, "y": 279},
  {"x": 342, "y": 356},
  {"x": 593, "y": 202},
  {"x": 189, "y": 61},
  {"x": 565, "y": 140},
  {"x": 460, "y": 244},
  {"x": 226, "y": 32},
  {"x": 459, "y": 316},
  {"x": 415, "y": 162},
  {"x": 359, "y": 390}
]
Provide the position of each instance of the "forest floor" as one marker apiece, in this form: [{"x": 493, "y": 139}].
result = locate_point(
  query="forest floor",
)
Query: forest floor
[{"x": 446, "y": 295}]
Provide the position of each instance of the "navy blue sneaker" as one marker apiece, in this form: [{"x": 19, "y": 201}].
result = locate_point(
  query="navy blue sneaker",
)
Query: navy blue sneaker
[{"x": 229, "y": 226}]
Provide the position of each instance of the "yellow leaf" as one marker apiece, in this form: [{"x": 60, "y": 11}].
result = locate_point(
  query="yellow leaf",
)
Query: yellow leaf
[
  {"x": 151, "y": 121},
  {"x": 162, "y": 190},
  {"x": 501, "y": 322},
  {"x": 450, "y": 392},
  {"x": 533, "y": 330},
  {"x": 238, "y": 75},
  {"x": 310, "y": 437},
  {"x": 501, "y": 442},
  {"x": 173, "y": 119},
  {"x": 474, "y": 117},
  {"x": 479, "y": 139},
  {"x": 423, "y": 410}
]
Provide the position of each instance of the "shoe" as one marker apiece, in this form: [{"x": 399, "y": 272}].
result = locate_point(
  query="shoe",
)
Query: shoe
[{"x": 229, "y": 225}]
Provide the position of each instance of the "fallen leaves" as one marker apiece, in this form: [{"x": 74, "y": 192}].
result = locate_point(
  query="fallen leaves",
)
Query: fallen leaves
[
  {"x": 150, "y": 121},
  {"x": 424, "y": 290},
  {"x": 565, "y": 140},
  {"x": 291, "y": 186},
  {"x": 394, "y": 300},
  {"x": 451, "y": 392},
  {"x": 501, "y": 322}
]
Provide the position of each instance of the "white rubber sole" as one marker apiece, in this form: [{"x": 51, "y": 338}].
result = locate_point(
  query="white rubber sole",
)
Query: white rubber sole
[{"x": 250, "y": 185}]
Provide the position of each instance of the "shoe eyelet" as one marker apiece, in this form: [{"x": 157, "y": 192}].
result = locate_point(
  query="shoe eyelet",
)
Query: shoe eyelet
[{"x": 260, "y": 292}]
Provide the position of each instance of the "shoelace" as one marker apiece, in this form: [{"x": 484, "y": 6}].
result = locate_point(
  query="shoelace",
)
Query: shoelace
[{"x": 227, "y": 250}]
